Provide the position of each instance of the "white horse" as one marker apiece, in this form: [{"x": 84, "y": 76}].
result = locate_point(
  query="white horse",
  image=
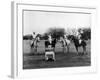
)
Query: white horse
[
  {"x": 65, "y": 42},
  {"x": 34, "y": 41}
]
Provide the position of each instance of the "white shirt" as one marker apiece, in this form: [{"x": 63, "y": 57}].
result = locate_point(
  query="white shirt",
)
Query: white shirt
[
  {"x": 79, "y": 34},
  {"x": 34, "y": 35}
]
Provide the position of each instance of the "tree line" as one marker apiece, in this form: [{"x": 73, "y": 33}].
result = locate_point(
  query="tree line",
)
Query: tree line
[{"x": 59, "y": 32}]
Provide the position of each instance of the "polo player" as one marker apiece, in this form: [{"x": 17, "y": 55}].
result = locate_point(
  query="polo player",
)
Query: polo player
[
  {"x": 79, "y": 35},
  {"x": 34, "y": 36},
  {"x": 66, "y": 39}
]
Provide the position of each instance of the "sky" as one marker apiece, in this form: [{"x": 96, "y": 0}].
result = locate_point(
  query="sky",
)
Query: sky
[{"x": 41, "y": 21}]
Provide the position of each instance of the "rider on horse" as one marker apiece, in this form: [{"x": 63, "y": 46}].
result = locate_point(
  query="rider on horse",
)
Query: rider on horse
[
  {"x": 79, "y": 35},
  {"x": 34, "y": 36},
  {"x": 66, "y": 39}
]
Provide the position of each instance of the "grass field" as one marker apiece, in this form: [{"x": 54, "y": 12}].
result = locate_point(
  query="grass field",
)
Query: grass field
[{"x": 33, "y": 60}]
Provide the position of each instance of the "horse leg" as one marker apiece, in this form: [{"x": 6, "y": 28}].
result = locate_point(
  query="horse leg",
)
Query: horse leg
[
  {"x": 68, "y": 48},
  {"x": 84, "y": 49},
  {"x": 36, "y": 47},
  {"x": 64, "y": 48},
  {"x": 32, "y": 45},
  {"x": 46, "y": 57},
  {"x": 77, "y": 50}
]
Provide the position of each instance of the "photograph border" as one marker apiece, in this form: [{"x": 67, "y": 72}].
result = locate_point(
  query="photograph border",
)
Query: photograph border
[{"x": 17, "y": 30}]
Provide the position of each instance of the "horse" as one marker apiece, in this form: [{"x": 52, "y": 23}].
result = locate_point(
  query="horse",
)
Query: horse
[
  {"x": 78, "y": 44},
  {"x": 35, "y": 41},
  {"x": 65, "y": 42}
]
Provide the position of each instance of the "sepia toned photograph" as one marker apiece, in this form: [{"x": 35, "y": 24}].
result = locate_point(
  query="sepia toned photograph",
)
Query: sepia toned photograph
[{"x": 55, "y": 39}]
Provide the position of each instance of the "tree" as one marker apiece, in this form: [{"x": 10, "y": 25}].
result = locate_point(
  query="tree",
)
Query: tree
[
  {"x": 56, "y": 32},
  {"x": 87, "y": 33},
  {"x": 27, "y": 37}
]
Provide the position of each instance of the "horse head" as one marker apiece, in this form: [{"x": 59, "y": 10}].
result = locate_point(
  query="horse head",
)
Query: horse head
[{"x": 71, "y": 37}]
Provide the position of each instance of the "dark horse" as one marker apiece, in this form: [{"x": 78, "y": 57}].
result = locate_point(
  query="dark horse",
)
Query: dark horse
[{"x": 77, "y": 44}]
